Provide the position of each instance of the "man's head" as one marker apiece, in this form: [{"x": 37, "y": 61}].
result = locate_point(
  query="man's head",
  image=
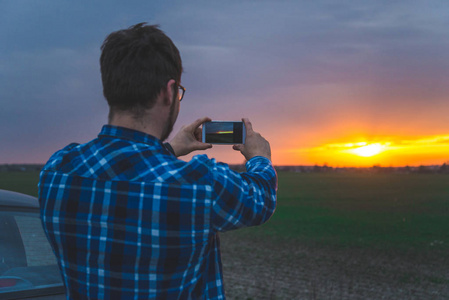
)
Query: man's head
[{"x": 136, "y": 64}]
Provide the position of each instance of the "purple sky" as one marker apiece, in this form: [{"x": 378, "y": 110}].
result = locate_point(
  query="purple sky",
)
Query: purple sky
[{"x": 304, "y": 72}]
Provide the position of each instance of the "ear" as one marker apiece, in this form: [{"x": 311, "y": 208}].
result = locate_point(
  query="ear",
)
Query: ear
[{"x": 169, "y": 92}]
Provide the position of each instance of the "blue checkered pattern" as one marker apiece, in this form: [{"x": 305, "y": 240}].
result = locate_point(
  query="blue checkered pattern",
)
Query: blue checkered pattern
[{"x": 128, "y": 220}]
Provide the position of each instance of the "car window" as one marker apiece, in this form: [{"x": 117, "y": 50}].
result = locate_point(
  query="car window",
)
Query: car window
[
  {"x": 38, "y": 250},
  {"x": 27, "y": 261}
]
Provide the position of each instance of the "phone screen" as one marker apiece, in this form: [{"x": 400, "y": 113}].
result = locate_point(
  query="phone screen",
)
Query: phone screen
[{"x": 224, "y": 132}]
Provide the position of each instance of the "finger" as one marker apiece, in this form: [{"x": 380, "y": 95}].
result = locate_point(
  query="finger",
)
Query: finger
[
  {"x": 198, "y": 122},
  {"x": 248, "y": 125}
]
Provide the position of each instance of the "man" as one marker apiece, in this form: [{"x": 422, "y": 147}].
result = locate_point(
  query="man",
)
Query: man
[{"x": 125, "y": 217}]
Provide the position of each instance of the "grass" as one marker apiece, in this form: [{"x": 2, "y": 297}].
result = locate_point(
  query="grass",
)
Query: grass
[
  {"x": 336, "y": 236},
  {"x": 365, "y": 210},
  {"x": 22, "y": 182}
]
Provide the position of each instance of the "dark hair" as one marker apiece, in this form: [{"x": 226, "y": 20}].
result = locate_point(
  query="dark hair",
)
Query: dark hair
[{"x": 136, "y": 64}]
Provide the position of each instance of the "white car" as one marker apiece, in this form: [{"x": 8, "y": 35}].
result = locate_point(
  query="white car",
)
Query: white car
[{"x": 28, "y": 267}]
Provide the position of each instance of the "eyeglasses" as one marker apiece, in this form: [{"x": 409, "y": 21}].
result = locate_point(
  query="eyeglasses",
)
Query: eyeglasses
[{"x": 181, "y": 92}]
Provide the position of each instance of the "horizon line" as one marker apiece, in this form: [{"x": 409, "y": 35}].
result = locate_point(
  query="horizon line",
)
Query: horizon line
[{"x": 275, "y": 165}]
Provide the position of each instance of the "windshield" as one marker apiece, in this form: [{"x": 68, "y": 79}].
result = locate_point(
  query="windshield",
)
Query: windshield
[{"x": 27, "y": 262}]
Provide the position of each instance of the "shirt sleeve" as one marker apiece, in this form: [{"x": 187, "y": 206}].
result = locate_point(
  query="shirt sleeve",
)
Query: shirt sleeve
[{"x": 243, "y": 199}]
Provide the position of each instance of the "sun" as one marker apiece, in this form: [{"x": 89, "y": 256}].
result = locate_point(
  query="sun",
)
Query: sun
[{"x": 368, "y": 150}]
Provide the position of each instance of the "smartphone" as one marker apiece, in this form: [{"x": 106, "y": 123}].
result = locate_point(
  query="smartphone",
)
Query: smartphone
[{"x": 224, "y": 132}]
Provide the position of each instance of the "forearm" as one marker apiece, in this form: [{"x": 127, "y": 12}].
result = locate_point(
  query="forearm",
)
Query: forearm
[{"x": 246, "y": 199}]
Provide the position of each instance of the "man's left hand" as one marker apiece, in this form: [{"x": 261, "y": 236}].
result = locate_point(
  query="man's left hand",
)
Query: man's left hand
[{"x": 188, "y": 139}]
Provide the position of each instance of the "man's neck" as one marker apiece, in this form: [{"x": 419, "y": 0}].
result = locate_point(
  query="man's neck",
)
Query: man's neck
[{"x": 145, "y": 124}]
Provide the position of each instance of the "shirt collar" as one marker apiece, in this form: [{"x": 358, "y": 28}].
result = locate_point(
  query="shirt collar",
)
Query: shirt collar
[{"x": 128, "y": 134}]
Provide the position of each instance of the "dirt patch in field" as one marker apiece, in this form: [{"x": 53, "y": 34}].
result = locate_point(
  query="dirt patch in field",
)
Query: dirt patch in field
[{"x": 257, "y": 268}]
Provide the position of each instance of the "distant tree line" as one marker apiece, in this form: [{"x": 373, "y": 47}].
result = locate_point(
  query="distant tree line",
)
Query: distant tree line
[
  {"x": 20, "y": 167},
  {"x": 435, "y": 169}
]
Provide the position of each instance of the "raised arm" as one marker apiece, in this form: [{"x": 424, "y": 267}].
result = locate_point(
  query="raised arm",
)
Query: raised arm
[{"x": 249, "y": 198}]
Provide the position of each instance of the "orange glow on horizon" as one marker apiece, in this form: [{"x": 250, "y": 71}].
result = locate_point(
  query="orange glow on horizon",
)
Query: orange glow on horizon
[{"x": 384, "y": 151}]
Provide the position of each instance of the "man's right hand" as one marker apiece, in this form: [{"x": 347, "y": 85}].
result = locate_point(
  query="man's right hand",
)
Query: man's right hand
[
  {"x": 188, "y": 139},
  {"x": 255, "y": 144}
]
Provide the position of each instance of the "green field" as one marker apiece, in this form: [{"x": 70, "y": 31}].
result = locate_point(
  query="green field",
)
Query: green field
[
  {"x": 342, "y": 209},
  {"x": 366, "y": 210},
  {"x": 336, "y": 236},
  {"x": 22, "y": 182}
]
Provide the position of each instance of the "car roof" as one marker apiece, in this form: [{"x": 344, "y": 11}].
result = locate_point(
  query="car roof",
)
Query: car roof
[{"x": 14, "y": 199}]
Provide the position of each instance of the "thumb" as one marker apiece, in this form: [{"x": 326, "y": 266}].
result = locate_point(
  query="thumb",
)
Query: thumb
[
  {"x": 202, "y": 146},
  {"x": 238, "y": 147}
]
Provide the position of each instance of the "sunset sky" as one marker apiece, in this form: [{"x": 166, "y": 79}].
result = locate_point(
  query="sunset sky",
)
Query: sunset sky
[{"x": 346, "y": 83}]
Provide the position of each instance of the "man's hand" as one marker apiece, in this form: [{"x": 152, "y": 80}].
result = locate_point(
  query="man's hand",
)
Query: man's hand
[
  {"x": 255, "y": 144},
  {"x": 188, "y": 139}
]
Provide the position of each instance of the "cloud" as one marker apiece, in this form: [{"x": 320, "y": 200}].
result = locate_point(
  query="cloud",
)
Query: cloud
[{"x": 49, "y": 98}]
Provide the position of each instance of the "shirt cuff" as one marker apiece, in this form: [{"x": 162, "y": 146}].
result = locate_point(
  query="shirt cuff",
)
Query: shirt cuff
[
  {"x": 169, "y": 148},
  {"x": 256, "y": 160}
]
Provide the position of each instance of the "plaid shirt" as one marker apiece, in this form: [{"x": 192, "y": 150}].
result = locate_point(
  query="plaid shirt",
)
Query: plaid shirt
[{"x": 128, "y": 220}]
